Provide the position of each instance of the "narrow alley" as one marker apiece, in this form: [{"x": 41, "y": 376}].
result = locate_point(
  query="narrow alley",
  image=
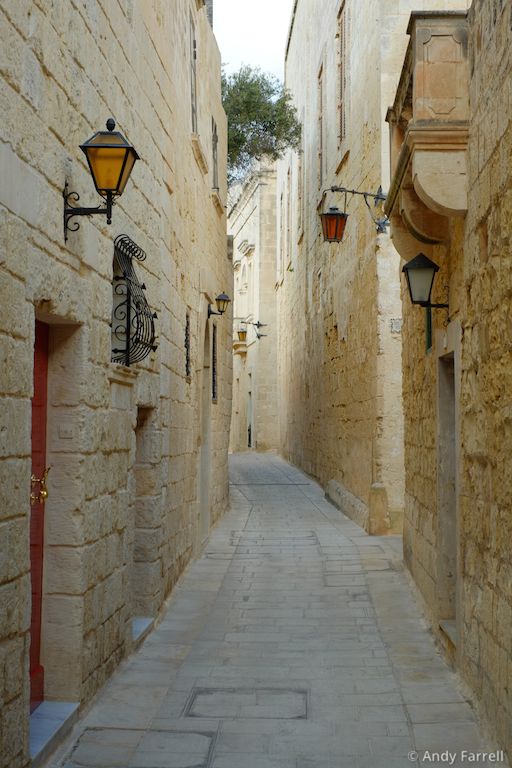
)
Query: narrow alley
[{"x": 293, "y": 642}]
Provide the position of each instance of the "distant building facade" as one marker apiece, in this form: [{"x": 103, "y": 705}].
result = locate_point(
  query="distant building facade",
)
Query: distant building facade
[
  {"x": 252, "y": 224},
  {"x": 137, "y": 454},
  {"x": 450, "y": 199}
]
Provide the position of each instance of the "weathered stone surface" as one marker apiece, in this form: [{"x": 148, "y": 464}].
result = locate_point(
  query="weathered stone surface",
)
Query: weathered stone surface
[
  {"x": 103, "y": 535},
  {"x": 339, "y": 353},
  {"x": 457, "y": 396},
  {"x": 258, "y": 662}
]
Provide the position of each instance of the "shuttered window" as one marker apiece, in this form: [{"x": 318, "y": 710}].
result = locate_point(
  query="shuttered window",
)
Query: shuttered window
[{"x": 342, "y": 72}]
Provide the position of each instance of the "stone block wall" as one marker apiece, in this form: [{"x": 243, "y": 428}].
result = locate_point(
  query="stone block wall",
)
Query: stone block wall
[
  {"x": 338, "y": 304},
  {"x": 122, "y": 517},
  {"x": 486, "y": 382},
  {"x": 458, "y": 553}
]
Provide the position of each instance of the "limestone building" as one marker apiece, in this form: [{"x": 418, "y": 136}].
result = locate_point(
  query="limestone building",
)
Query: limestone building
[
  {"x": 450, "y": 199},
  {"x": 252, "y": 224},
  {"x": 130, "y": 416},
  {"x": 339, "y": 314}
]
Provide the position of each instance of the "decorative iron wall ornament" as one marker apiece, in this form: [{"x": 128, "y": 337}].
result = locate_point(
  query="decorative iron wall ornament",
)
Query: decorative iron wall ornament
[{"x": 133, "y": 326}]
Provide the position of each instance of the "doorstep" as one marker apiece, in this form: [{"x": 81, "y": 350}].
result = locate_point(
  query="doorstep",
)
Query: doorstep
[
  {"x": 50, "y": 723},
  {"x": 449, "y": 628},
  {"x": 141, "y": 627}
]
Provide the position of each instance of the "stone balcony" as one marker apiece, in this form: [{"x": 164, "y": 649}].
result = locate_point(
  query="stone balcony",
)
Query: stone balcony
[{"x": 429, "y": 131}]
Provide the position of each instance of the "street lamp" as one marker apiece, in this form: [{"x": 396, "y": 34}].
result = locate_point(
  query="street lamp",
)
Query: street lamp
[
  {"x": 333, "y": 224},
  {"x": 420, "y": 273},
  {"x": 222, "y": 302},
  {"x": 334, "y": 221},
  {"x": 110, "y": 159}
]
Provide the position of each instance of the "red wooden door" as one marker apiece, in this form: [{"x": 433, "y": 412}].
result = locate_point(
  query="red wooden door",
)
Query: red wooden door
[{"x": 37, "y": 509}]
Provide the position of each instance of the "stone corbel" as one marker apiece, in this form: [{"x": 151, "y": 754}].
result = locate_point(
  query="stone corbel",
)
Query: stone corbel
[
  {"x": 406, "y": 243},
  {"x": 430, "y": 184},
  {"x": 439, "y": 168},
  {"x": 424, "y": 224},
  {"x": 199, "y": 154},
  {"x": 239, "y": 348}
]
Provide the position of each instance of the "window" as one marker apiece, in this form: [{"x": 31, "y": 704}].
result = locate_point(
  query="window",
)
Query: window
[
  {"x": 193, "y": 74},
  {"x": 342, "y": 73},
  {"x": 215, "y": 162},
  {"x": 300, "y": 186},
  {"x": 187, "y": 346},
  {"x": 214, "y": 363},
  {"x": 281, "y": 251},
  {"x": 250, "y": 292},
  {"x": 320, "y": 126},
  {"x": 289, "y": 219}
]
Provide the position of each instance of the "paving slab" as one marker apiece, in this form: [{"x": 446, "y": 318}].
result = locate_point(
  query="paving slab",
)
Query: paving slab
[{"x": 293, "y": 642}]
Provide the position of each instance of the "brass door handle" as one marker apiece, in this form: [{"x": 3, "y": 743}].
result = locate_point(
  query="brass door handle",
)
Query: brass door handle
[{"x": 38, "y": 498}]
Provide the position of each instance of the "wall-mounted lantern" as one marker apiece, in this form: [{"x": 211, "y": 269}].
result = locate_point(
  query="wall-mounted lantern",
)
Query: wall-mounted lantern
[
  {"x": 420, "y": 273},
  {"x": 242, "y": 334},
  {"x": 334, "y": 221},
  {"x": 111, "y": 159},
  {"x": 333, "y": 224},
  {"x": 222, "y": 302}
]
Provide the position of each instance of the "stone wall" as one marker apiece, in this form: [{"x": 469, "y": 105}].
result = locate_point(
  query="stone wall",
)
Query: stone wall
[
  {"x": 252, "y": 222},
  {"x": 486, "y": 382},
  {"x": 124, "y": 513},
  {"x": 456, "y": 546},
  {"x": 339, "y": 304}
]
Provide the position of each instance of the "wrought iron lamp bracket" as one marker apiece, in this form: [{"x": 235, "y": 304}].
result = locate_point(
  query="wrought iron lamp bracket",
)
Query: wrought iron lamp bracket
[
  {"x": 70, "y": 211},
  {"x": 378, "y": 197},
  {"x": 249, "y": 322}
]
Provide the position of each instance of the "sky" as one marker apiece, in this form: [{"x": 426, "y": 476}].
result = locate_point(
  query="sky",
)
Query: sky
[{"x": 252, "y": 32}]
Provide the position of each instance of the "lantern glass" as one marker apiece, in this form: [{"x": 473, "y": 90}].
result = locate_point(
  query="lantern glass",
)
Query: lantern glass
[
  {"x": 111, "y": 159},
  {"x": 420, "y": 273},
  {"x": 222, "y": 302},
  {"x": 333, "y": 225},
  {"x": 242, "y": 334}
]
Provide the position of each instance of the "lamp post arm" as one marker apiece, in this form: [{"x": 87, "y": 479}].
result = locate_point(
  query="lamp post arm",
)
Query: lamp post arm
[
  {"x": 381, "y": 224},
  {"x": 377, "y": 197},
  {"x": 74, "y": 210}
]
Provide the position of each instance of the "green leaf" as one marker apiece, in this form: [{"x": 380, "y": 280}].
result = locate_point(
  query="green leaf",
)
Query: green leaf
[{"x": 262, "y": 121}]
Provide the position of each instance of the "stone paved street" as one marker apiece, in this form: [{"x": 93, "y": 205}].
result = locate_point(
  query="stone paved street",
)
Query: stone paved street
[{"x": 293, "y": 642}]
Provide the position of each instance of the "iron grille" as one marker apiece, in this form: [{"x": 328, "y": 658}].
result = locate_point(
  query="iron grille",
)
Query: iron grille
[{"x": 133, "y": 326}]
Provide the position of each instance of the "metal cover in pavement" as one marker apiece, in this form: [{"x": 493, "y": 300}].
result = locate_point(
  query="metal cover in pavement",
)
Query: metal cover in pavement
[{"x": 248, "y": 703}]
